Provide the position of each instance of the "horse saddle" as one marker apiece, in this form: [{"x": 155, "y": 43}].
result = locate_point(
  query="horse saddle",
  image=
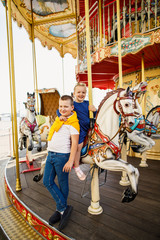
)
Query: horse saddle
[
  {"x": 87, "y": 147},
  {"x": 84, "y": 150}
]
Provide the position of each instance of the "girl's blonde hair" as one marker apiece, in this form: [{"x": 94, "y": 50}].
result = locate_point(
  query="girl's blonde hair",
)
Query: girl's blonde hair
[{"x": 80, "y": 84}]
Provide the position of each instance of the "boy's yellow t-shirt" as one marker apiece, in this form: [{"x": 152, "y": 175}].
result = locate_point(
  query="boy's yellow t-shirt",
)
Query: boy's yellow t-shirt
[{"x": 73, "y": 121}]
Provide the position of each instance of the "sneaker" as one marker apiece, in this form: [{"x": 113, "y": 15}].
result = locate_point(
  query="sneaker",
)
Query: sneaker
[
  {"x": 56, "y": 217},
  {"x": 65, "y": 217},
  {"x": 80, "y": 174}
]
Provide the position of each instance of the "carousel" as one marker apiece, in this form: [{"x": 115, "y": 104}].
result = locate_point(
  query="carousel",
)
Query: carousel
[{"x": 117, "y": 46}]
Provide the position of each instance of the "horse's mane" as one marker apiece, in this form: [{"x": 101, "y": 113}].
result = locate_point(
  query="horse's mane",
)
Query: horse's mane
[
  {"x": 152, "y": 109},
  {"x": 108, "y": 95}
]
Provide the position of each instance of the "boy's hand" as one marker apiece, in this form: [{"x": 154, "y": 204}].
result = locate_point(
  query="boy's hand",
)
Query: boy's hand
[
  {"x": 92, "y": 108},
  {"x": 63, "y": 118},
  {"x": 68, "y": 166}
]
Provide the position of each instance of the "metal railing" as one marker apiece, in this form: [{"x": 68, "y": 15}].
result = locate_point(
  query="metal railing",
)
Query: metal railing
[
  {"x": 135, "y": 17},
  {"x": 5, "y": 142}
]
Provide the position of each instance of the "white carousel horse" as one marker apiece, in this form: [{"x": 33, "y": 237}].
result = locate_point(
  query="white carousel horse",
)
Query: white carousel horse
[
  {"x": 104, "y": 147},
  {"x": 28, "y": 125}
]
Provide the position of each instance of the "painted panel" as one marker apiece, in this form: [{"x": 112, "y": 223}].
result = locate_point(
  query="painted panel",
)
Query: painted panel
[{"x": 46, "y": 7}]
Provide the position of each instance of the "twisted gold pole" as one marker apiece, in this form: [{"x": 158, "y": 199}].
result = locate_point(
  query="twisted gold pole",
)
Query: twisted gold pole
[
  {"x": 88, "y": 56},
  {"x": 119, "y": 44},
  {"x": 34, "y": 61},
  {"x": 18, "y": 183},
  {"x": 11, "y": 97}
]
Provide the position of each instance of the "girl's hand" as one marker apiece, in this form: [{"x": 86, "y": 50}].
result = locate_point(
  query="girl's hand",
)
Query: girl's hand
[
  {"x": 92, "y": 108},
  {"x": 63, "y": 118}
]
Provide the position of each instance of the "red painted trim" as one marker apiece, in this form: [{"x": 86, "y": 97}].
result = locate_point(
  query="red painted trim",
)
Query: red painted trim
[
  {"x": 32, "y": 219},
  {"x": 105, "y": 139}
]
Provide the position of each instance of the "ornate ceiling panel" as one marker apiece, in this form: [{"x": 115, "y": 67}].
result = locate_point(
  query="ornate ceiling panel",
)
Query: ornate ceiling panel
[{"x": 54, "y": 22}]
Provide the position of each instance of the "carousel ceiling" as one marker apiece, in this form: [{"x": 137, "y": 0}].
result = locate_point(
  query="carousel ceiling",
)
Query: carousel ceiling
[{"x": 54, "y": 22}]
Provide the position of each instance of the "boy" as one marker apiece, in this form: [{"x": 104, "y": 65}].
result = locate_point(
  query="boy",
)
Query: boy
[{"x": 62, "y": 147}]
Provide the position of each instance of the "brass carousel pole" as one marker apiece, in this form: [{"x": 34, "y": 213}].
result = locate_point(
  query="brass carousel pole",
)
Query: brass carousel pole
[
  {"x": 95, "y": 207},
  {"x": 63, "y": 73},
  {"x": 62, "y": 55},
  {"x": 34, "y": 61},
  {"x": 10, "y": 80},
  {"x": 143, "y": 80},
  {"x": 143, "y": 162},
  {"x": 119, "y": 44},
  {"x": 18, "y": 183},
  {"x": 124, "y": 178},
  {"x": 88, "y": 57},
  {"x": 77, "y": 34},
  {"x": 100, "y": 21}
]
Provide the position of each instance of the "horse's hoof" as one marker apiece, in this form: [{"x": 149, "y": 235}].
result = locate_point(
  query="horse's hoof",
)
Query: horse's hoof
[
  {"x": 30, "y": 163},
  {"x": 128, "y": 196},
  {"x": 39, "y": 149},
  {"x": 30, "y": 148},
  {"x": 137, "y": 148},
  {"x": 38, "y": 177},
  {"x": 21, "y": 148}
]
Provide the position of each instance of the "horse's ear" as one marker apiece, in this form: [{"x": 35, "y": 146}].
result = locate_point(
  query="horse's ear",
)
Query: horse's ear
[
  {"x": 33, "y": 94},
  {"x": 27, "y": 94},
  {"x": 128, "y": 90}
]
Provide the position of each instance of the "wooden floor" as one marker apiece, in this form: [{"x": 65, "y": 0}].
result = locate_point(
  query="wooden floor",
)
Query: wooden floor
[{"x": 138, "y": 220}]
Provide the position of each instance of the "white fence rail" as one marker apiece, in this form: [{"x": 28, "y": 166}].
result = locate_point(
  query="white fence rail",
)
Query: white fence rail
[{"x": 5, "y": 139}]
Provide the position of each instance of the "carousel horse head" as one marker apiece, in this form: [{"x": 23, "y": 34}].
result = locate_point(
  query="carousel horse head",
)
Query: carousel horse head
[
  {"x": 122, "y": 105},
  {"x": 139, "y": 89},
  {"x": 30, "y": 104},
  {"x": 136, "y": 131}
]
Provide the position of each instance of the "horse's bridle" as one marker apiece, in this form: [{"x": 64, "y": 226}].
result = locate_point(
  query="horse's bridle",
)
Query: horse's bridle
[
  {"x": 118, "y": 100},
  {"x": 32, "y": 105}
]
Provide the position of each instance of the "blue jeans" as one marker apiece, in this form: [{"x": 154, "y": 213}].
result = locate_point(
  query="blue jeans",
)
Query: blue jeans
[{"x": 54, "y": 166}]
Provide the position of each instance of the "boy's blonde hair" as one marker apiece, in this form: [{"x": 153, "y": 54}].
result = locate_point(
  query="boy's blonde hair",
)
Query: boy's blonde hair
[{"x": 79, "y": 84}]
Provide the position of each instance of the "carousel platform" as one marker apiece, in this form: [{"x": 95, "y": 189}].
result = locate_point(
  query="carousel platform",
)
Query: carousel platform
[{"x": 137, "y": 220}]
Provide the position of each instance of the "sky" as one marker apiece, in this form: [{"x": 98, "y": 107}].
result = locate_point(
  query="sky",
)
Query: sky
[{"x": 49, "y": 68}]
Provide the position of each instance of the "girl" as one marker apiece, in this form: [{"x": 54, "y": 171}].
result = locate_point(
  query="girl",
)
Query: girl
[{"x": 81, "y": 106}]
